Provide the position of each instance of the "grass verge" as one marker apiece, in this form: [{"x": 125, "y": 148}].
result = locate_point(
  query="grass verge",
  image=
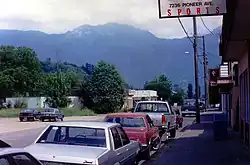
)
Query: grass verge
[{"x": 11, "y": 113}]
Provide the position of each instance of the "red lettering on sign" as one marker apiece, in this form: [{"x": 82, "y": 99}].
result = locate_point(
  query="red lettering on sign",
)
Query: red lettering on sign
[
  {"x": 198, "y": 10},
  {"x": 188, "y": 11},
  {"x": 179, "y": 11},
  {"x": 169, "y": 12},
  {"x": 217, "y": 10}
]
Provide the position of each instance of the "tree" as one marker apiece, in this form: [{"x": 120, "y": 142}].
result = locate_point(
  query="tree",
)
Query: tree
[
  {"x": 178, "y": 95},
  {"x": 190, "y": 91},
  {"x": 57, "y": 86},
  {"x": 20, "y": 69},
  {"x": 162, "y": 85},
  {"x": 105, "y": 89}
]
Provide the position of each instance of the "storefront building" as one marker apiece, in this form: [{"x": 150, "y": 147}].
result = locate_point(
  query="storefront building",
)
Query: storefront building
[{"x": 235, "y": 48}]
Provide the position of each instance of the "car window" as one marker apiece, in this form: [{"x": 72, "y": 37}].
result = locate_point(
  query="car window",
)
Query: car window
[
  {"x": 131, "y": 122},
  {"x": 124, "y": 137},
  {"x": 150, "y": 122},
  {"x": 27, "y": 111},
  {"x": 49, "y": 110},
  {"x": 4, "y": 161},
  {"x": 24, "y": 159},
  {"x": 69, "y": 135},
  {"x": 116, "y": 138},
  {"x": 152, "y": 107}
]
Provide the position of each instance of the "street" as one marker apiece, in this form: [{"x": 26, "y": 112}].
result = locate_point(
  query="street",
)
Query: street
[
  {"x": 193, "y": 145},
  {"x": 26, "y": 137}
]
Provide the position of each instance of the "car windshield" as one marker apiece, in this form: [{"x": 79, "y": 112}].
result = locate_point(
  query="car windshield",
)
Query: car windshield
[
  {"x": 152, "y": 107},
  {"x": 130, "y": 122},
  {"x": 49, "y": 110},
  {"x": 27, "y": 110},
  {"x": 67, "y": 135}
]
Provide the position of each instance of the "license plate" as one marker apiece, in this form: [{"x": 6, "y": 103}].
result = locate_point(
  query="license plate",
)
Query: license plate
[{"x": 25, "y": 118}]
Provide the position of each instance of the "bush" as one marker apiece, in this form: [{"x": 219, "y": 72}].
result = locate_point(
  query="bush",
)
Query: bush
[{"x": 19, "y": 103}]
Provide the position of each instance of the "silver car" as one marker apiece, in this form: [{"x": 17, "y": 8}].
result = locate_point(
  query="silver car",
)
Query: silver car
[{"x": 92, "y": 143}]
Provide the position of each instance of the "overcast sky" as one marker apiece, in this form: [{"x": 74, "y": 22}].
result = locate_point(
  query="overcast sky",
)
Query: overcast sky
[{"x": 58, "y": 16}]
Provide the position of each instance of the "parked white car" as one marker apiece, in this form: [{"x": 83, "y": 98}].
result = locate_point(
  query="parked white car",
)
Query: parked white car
[
  {"x": 72, "y": 143},
  {"x": 13, "y": 156}
]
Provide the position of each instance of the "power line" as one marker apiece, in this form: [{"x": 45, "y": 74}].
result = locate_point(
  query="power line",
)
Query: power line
[
  {"x": 203, "y": 22},
  {"x": 185, "y": 31}
]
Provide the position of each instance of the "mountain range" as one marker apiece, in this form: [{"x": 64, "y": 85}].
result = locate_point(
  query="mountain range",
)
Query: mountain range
[{"x": 138, "y": 54}]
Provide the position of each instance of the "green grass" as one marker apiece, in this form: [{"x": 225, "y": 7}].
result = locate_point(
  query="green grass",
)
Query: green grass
[{"x": 11, "y": 113}]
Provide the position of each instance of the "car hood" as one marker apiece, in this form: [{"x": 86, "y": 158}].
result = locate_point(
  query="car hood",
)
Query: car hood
[{"x": 65, "y": 153}]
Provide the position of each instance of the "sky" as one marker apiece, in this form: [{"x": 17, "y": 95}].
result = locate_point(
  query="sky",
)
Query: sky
[{"x": 59, "y": 16}]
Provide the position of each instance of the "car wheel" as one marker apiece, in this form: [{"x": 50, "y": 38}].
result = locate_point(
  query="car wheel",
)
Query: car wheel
[
  {"x": 42, "y": 119},
  {"x": 157, "y": 144},
  {"x": 21, "y": 120},
  {"x": 61, "y": 119},
  {"x": 173, "y": 133}
]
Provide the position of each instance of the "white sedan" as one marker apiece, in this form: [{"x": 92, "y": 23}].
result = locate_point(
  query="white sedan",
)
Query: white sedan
[{"x": 92, "y": 143}]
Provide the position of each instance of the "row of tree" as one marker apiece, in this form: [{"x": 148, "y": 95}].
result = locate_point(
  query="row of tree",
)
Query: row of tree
[
  {"x": 101, "y": 87},
  {"x": 22, "y": 74}
]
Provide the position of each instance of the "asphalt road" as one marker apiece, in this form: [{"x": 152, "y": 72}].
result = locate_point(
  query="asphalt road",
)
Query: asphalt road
[{"x": 24, "y": 138}]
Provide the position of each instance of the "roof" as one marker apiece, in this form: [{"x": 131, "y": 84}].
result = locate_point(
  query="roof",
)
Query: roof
[
  {"x": 4, "y": 151},
  {"x": 128, "y": 114},
  {"x": 90, "y": 124},
  {"x": 152, "y": 102}
]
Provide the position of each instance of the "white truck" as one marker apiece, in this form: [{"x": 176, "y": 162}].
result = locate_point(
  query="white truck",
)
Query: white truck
[{"x": 161, "y": 114}]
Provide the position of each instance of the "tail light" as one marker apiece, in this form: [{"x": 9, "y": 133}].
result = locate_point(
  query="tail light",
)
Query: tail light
[{"x": 163, "y": 119}]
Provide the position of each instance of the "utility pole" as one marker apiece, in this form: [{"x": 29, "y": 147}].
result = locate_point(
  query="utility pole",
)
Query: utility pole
[
  {"x": 196, "y": 72},
  {"x": 205, "y": 62}
]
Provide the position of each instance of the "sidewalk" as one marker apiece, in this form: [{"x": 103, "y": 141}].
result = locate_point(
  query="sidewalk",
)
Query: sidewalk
[{"x": 197, "y": 146}]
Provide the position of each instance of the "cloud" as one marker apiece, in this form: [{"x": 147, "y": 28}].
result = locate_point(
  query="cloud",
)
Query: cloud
[{"x": 58, "y": 16}]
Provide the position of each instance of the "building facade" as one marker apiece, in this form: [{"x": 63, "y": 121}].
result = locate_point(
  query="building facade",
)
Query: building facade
[{"x": 235, "y": 48}]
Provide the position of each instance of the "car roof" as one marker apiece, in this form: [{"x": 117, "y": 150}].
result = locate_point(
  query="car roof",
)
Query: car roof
[
  {"x": 127, "y": 114},
  {"x": 90, "y": 124},
  {"x": 152, "y": 102},
  {"x": 9, "y": 150}
]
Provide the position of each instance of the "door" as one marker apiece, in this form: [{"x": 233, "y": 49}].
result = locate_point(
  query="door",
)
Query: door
[
  {"x": 153, "y": 131},
  {"x": 127, "y": 147},
  {"x": 119, "y": 152}
]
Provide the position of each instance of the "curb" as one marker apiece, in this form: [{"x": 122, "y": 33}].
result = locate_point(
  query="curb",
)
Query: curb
[{"x": 187, "y": 126}]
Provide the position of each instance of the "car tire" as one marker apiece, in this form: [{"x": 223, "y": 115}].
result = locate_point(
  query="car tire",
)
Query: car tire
[
  {"x": 21, "y": 120},
  {"x": 42, "y": 119},
  {"x": 157, "y": 146},
  {"x": 172, "y": 133},
  {"x": 61, "y": 119}
]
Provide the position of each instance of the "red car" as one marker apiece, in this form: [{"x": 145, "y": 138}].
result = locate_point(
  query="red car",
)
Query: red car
[{"x": 138, "y": 127}]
